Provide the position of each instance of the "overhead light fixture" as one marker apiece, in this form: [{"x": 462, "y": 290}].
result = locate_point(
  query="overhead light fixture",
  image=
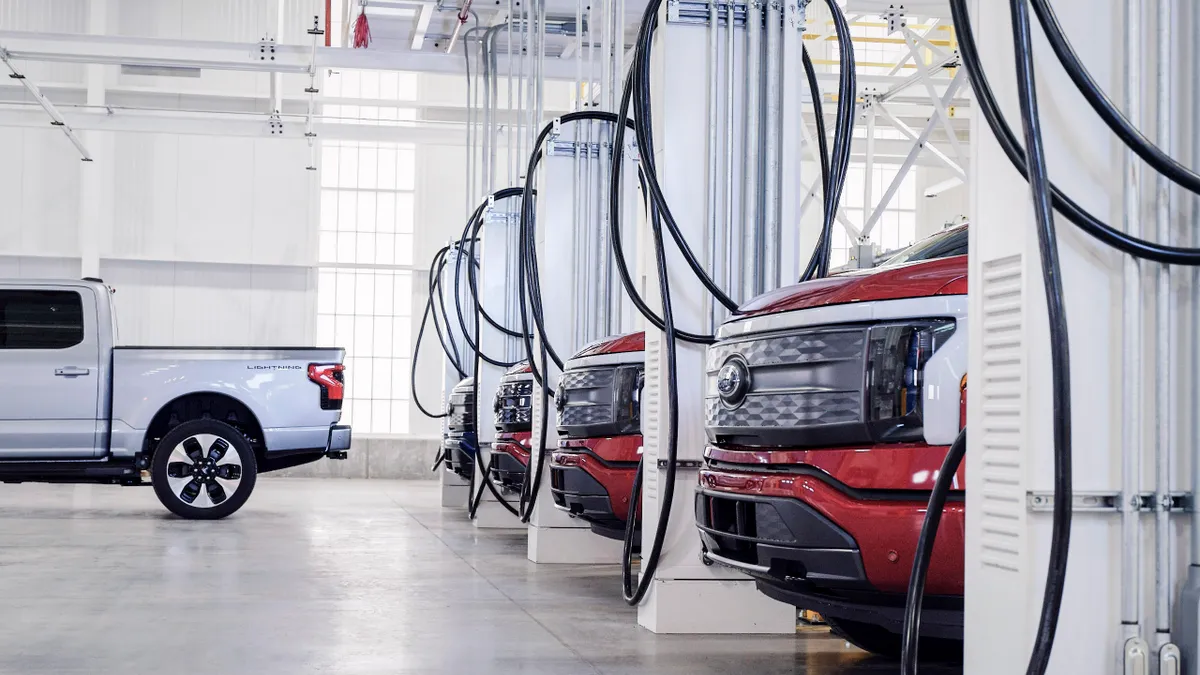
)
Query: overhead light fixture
[{"x": 159, "y": 71}]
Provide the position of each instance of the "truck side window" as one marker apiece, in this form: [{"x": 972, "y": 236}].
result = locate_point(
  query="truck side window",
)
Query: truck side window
[{"x": 32, "y": 319}]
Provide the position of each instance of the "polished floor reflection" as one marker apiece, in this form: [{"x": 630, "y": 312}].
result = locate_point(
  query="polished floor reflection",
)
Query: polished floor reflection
[{"x": 329, "y": 577}]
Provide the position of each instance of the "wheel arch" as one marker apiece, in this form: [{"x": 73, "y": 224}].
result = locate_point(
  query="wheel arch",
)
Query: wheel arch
[{"x": 206, "y": 405}]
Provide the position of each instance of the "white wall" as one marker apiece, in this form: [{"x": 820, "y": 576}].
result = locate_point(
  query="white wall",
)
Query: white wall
[{"x": 209, "y": 240}]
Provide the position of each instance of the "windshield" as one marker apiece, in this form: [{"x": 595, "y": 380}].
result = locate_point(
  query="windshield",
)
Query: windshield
[{"x": 941, "y": 245}]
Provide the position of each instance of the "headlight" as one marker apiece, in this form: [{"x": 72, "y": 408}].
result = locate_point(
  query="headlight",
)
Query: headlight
[
  {"x": 627, "y": 400},
  {"x": 896, "y": 357}
]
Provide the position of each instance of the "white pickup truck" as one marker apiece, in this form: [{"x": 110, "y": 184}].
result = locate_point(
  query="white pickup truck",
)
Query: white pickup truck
[{"x": 199, "y": 423}]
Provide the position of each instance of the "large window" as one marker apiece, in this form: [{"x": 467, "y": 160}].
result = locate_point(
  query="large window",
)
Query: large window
[
  {"x": 364, "y": 285},
  {"x": 897, "y": 226}
]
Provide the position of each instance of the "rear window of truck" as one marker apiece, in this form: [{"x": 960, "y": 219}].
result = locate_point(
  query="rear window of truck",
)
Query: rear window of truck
[{"x": 32, "y": 319}]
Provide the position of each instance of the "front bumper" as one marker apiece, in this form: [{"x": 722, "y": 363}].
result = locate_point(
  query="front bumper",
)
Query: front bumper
[
  {"x": 339, "y": 441},
  {"x": 458, "y": 452},
  {"x": 593, "y": 478},
  {"x": 813, "y": 541}
]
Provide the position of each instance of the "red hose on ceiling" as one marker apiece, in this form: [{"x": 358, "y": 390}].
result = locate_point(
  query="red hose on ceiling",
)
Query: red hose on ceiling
[{"x": 362, "y": 29}]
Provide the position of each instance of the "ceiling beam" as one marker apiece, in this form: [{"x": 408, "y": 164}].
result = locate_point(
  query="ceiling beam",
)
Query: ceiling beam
[{"x": 421, "y": 26}]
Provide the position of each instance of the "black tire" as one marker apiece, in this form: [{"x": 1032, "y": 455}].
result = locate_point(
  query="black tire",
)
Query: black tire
[
  {"x": 883, "y": 642},
  {"x": 208, "y": 478}
]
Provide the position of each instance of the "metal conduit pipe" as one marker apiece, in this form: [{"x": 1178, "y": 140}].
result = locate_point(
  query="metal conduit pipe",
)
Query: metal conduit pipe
[
  {"x": 531, "y": 55},
  {"x": 1195, "y": 343},
  {"x": 494, "y": 94},
  {"x": 510, "y": 137},
  {"x": 488, "y": 137},
  {"x": 470, "y": 126},
  {"x": 721, "y": 270},
  {"x": 713, "y": 120},
  {"x": 577, "y": 186},
  {"x": 609, "y": 74},
  {"x": 1164, "y": 329},
  {"x": 749, "y": 222},
  {"x": 771, "y": 175},
  {"x": 604, "y": 320},
  {"x": 1131, "y": 361}
]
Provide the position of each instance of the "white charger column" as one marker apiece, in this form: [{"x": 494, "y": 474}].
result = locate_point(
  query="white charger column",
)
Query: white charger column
[
  {"x": 688, "y": 596},
  {"x": 496, "y": 282},
  {"x": 455, "y": 489},
  {"x": 1010, "y": 417},
  {"x": 554, "y": 536}
]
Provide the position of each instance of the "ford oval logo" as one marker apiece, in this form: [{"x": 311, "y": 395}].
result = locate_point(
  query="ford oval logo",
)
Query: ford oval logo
[{"x": 733, "y": 381}]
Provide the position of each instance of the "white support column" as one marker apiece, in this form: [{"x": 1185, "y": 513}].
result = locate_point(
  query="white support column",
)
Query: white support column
[
  {"x": 455, "y": 489},
  {"x": 95, "y": 177},
  {"x": 686, "y": 596},
  {"x": 555, "y": 537},
  {"x": 494, "y": 286}
]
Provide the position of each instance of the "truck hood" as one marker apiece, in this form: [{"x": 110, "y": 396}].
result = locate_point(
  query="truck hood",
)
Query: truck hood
[
  {"x": 945, "y": 276},
  {"x": 617, "y": 344}
]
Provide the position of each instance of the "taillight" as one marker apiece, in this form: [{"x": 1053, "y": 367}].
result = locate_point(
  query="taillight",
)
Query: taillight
[{"x": 332, "y": 380}]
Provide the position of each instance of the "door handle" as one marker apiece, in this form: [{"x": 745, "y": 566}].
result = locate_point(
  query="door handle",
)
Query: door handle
[{"x": 71, "y": 371}]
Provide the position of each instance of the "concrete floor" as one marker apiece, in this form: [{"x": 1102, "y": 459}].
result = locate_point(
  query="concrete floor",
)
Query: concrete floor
[{"x": 328, "y": 576}]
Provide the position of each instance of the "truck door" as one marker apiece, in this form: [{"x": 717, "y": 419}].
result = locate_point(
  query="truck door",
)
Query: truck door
[{"x": 49, "y": 357}]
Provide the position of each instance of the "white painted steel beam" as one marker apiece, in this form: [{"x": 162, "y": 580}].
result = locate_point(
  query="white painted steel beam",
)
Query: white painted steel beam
[
  {"x": 918, "y": 145},
  {"x": 933, "y": 25},
  {"x": 249, "y": 57},
  {"x": 913, "y": 8},
  {"x": 919, "y": 76},
  {"x": 943, "y": 114},
  {"x": 421, "y": 25},
  {"x": 213, "y": 124},
  {"x": 56, "y": 118},
  {"x": 927, "y": 146}
]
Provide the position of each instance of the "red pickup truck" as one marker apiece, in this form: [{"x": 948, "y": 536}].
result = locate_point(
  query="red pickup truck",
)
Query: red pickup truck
[
  {"x": 513, "y": 408},
  {"x": 829, "y": 407},
  {"x": 599, "y": 402}
]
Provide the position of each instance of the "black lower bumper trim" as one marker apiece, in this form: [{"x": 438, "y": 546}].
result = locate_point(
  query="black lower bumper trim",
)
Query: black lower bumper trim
[
  {"x": 577, "y": 492},
  {"x": 941, "y": 616},
  {"x": 458, "y": 458},
  {"x": 507, "y": 471},
  {"x": 800, "y": 557}
]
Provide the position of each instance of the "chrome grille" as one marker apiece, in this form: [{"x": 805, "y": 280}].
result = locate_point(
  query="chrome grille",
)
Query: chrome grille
[
  {"x": 805, "y": 388},
  {"x": 825, "y": 345},
  {"x": 591, "y": 378},
  {"x": 583, "y": 415},
  {"x": 514, "y": 403},
  {"x": 585, "y": 397},
  {"x": 774, "y": 410}
]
